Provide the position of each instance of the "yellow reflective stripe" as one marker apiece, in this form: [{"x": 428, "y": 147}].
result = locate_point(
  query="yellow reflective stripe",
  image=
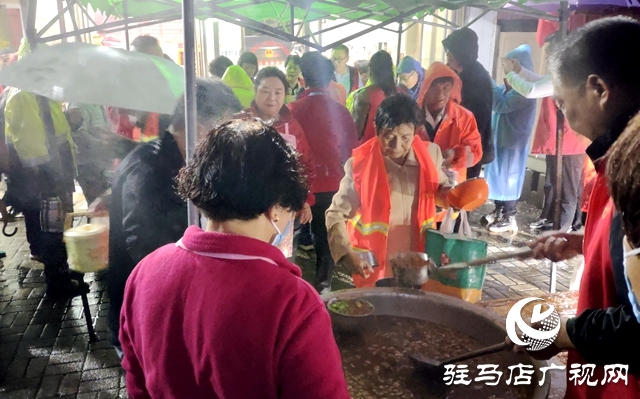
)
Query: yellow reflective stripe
[
  {"x": 369, "y": 228},
  {"x": 426, "y": 225}
]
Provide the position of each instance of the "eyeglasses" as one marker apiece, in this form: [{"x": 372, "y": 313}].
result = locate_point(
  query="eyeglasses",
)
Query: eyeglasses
[
  {"x": 338, "y": 59},
  {"x": 403, "y": 77}
]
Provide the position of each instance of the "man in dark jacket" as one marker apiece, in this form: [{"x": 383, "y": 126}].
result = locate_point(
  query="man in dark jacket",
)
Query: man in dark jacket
[
  {"x": 598, "y": 92},
  {"x": 477, "y": 89},
  {"x": 332, "y": 136},
  {"x": 145, "y": 212},
  {"x": 344, "y": 74}
]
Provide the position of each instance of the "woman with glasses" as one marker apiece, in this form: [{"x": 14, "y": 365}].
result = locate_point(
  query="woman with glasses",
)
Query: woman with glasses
[
  {"x": 222, "y": 313},
  {"x": 410, "y": 76},
  {"x": 271, "y": 87}
]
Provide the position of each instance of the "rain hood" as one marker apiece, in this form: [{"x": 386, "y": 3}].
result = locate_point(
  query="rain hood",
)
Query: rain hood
[
  {"x": 523, "y": 55},
  {"x": 407, "y": 65},
  {"x": 463, "y": 44},
  {"x": 237, "y": 79},
  {"x": 440, "y": 70}
]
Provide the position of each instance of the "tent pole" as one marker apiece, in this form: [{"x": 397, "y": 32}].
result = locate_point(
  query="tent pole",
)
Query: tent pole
[
  {"x": 398, "y": 52},
  {"x": 293, "y": 19},
  {"x": 216, "y": 38},
  {"x": 191, "y": 127},
  {"x": 30, "y": 26},
  {"x": 563, "y": 14},
  {"x": 61, "y": 22},
  {"x": 125, "y": 11}
]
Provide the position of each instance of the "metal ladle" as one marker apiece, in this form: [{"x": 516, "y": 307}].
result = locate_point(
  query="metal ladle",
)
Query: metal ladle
[
  {"x": 407, "y": 275},
  {"x": 524, "y": 253},
  {"x": 432, "y": 367}
]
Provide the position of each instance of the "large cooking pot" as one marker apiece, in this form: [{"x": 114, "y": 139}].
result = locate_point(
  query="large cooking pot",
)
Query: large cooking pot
[{"x": 486, "y": 327}]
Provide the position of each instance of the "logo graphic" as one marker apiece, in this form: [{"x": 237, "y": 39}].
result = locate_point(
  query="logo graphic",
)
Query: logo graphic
[{"x": 545, "y": 330}]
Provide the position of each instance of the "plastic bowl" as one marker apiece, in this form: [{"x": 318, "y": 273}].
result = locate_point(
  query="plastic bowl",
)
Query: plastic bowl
[{"x": 469, "y": 195}]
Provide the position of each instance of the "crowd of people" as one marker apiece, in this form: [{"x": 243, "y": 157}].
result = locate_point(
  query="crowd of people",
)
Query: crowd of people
[{"x": 358, "y": 158}]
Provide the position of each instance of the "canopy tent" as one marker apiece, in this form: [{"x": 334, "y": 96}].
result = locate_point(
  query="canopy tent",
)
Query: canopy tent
[
  {"x": 289, "y": 19},
  {"x": 255, "y": 13}
]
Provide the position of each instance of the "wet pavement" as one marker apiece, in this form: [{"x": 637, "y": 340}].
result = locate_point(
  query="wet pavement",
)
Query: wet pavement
[{"x": 44, "y": 346}]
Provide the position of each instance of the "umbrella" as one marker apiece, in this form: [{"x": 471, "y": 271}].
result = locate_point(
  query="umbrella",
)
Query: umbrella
[{"x": 85, "y": 73}]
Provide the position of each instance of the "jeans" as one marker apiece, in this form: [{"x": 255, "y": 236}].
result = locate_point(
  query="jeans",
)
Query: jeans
[
  {"x": 571, "y": 190},
  {"x": 324, "y": 261}
]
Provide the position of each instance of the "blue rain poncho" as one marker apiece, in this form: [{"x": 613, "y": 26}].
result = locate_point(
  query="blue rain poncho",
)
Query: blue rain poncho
[{"x": 512, "y": 125}]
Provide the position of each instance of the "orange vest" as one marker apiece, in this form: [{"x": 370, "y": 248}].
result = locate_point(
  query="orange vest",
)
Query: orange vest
[
  {"x": 151, "y": 129},
  {"x": 369, "y": 229}
]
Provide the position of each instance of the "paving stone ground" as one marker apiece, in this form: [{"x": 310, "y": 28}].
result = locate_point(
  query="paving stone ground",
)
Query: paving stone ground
[{"x": 44, "y": 348}]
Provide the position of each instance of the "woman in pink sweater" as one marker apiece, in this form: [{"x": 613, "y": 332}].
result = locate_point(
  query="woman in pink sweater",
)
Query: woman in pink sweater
[{"x": 221, "y": 313}]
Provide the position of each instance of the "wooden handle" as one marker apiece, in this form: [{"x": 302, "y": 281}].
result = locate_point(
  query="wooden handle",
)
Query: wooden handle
[
  {"x": 480, "y": 352},
  {"x": 523, "y": 253}
]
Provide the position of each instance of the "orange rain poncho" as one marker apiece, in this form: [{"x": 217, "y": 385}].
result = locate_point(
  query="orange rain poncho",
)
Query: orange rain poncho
[{"x": 458, "y": 130}]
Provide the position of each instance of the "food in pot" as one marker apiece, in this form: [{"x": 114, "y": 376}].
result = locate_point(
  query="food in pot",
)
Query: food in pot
[
  {"x": 376, "y": 363},
  {"x": 351, "y": 307}
]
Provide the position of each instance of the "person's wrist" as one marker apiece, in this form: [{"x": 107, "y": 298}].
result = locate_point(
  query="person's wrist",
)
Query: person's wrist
[{"x": 563, "y": 341}]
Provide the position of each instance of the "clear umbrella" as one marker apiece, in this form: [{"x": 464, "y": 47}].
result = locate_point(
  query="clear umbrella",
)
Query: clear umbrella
[{"x": 85, "y": 73}]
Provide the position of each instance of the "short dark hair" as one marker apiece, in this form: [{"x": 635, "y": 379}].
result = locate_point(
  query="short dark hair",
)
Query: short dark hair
[
  {"x": 316, "y": 69},
  {"x": 240, "y": 170},
  {"x": 292, "y": 57},
  {"x": 144, "y": 43},
  {"x": 219, "y": 66},
  {"x": 396, "y": 110},
  {"x": 381, "y": 69},
  {"x": 248, "y": 58},
  {"x": 623, "y": 176},
  {"x": 343, "y": 48},
  {"x": 213, "y": 100},
  {"x": 553, "y": 41},
  {"x": 600, "y": 48},
  {"x": 270, "y": 72}
]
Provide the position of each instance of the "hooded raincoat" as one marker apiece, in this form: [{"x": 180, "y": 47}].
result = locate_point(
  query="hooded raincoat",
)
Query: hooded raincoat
[
  {"x": 236, "y": 78},
  {"x": 512, "y": 124},
  {"x": 477, "y": 89},
  {"x": 408, "y": 64},
  {"x": 458, "y": 130}
]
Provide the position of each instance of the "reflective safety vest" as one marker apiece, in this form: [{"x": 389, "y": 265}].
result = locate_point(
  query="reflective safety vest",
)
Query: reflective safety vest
[{"x": 369, "y": 229}]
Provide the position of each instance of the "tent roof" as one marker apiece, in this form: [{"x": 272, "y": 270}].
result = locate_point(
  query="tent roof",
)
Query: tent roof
[
  {"x": 261, "y": 10},
  {"x": 309, "y": 10},
  {"x": 284, "y": 19}
]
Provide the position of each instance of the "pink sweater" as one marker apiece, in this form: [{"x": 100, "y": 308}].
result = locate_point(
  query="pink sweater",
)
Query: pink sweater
[{"x": 194, "y": 326}]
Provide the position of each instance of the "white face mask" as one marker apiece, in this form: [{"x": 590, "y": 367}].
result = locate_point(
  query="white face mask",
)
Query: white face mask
[{"x": 628, "y": 254}]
